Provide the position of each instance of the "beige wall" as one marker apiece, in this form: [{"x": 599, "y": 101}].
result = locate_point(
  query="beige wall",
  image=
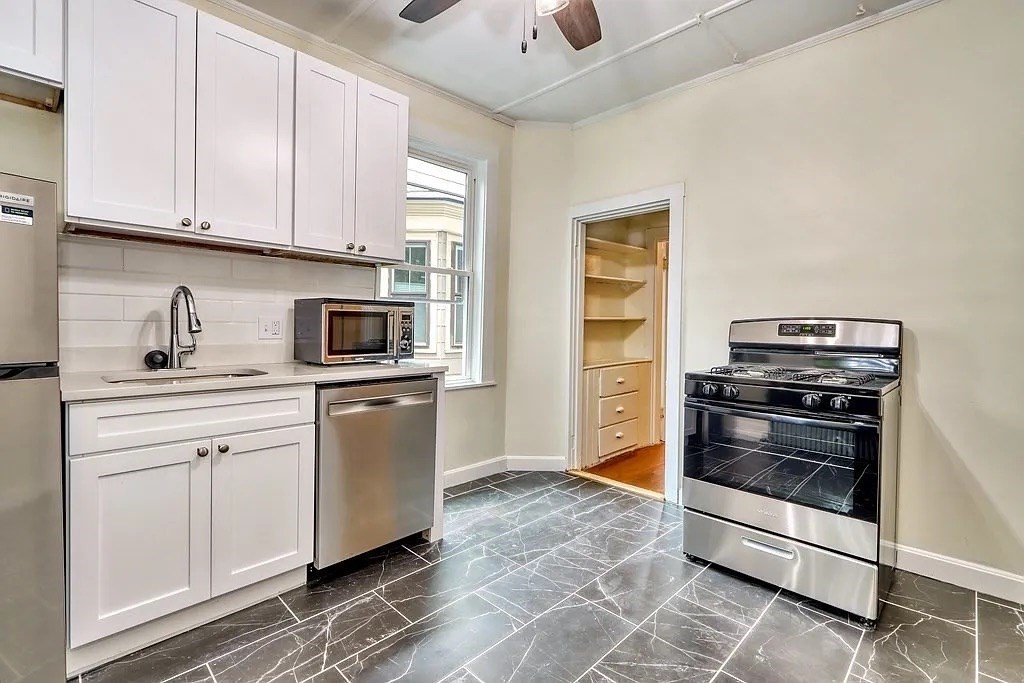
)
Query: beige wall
[
  {"x": 31, "y": 144},
  {"x": 878, "y": 175}
]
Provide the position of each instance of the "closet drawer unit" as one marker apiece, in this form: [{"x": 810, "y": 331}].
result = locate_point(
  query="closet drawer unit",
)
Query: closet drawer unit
[
  {"x": 617, "y": 437},
  {"x": 621, "y": 379},
  {"x": 615, "y": 409},
  {"x": 100, "y": 426}
]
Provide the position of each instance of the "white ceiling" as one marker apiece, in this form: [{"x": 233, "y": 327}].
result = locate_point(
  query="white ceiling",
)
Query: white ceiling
[{"x": 473, "y": 49}]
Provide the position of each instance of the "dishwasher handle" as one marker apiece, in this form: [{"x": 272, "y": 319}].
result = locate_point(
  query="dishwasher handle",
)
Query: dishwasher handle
[{"x": 354, "y": 406}]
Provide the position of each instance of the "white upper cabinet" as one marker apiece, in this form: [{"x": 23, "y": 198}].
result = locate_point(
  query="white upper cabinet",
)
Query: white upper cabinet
[
  {"x": 32, "y": 38},
  {"x": 382, "y": 157},
  {"x": 325, "y": 156},
  {"x": 245, "y": 89},
  {"x": 130, "y": 112}
]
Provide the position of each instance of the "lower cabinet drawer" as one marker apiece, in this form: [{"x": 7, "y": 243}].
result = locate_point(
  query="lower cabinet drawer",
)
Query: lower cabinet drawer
[
  {"x": 615, "y": 409},
  {"x": 837, "y": 580},
  {"x": 617, "y": 437},
  {"x": 620, "y": 379}
]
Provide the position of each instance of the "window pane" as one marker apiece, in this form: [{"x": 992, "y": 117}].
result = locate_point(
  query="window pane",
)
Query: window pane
[{"x": 421, "y": 325}]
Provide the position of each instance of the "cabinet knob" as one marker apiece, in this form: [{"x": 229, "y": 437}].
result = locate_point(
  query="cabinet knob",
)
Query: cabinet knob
[
  {"x": 205, "y": 225},
  {"x": 350, "y": 245},
  {"x": 186, "y": 222},
  {"x": 362, "y": 247},
  {"x": 619, "y": 435},
  {"x": 620, "y": 409},
  {"x": 620, "y": 380},
  {"x": 223, "y": 448},
  {"x": 202, "y": 451}
]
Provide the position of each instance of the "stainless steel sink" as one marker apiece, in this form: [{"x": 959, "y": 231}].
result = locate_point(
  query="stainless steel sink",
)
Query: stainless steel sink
[{"x": 180, "y": 376}]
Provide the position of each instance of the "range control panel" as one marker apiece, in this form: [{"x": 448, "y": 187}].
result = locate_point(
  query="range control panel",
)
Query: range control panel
[
  {"x": 405, "y": 334},
  {"x": 807, "y": 330}
]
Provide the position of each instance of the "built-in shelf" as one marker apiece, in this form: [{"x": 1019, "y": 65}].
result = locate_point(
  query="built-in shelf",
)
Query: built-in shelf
[
  {"x": 609, "y": 280},
  {"x": 616, "y": 247},
  {"x": 613, "y": 319},
  {"x": 612, "y": 362}
]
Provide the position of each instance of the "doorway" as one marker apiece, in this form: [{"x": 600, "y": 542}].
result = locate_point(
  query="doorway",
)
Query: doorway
[{"x": 626, "y": 345}]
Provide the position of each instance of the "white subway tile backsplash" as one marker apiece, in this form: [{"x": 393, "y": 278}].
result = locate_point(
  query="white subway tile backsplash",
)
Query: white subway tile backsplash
[
  {"x": 115, "y": 301},
  {"x": 90, "y": 307}
]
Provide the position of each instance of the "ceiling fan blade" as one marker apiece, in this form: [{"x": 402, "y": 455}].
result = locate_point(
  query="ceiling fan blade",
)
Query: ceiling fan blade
[
  {"x": 579, "y": 23},
  {"x": 422, "y": 10}
]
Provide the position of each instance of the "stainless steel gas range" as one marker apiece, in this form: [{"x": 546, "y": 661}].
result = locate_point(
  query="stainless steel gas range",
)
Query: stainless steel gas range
[{"x": 791, "y": 455}]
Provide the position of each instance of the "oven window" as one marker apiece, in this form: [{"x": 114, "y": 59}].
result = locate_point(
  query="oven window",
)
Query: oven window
[
  {"x": 356, "y": 333},
  {"x": 831, "y": 468}
]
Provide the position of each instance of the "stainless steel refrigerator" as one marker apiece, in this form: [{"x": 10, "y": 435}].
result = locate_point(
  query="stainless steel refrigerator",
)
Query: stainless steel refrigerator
[{"x": 31, "y": 520}]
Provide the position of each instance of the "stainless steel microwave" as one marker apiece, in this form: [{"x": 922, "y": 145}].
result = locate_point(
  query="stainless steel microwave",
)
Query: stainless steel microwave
[{"x": 335, "y": 331}]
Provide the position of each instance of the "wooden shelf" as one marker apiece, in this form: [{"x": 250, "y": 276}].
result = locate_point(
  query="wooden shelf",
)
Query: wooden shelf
[
  {"x": 616, "y": 247},
  {"x": 612, "y": 362},
  {"x": 613, "y": 319},
  {"x": 609, "y": 280}
]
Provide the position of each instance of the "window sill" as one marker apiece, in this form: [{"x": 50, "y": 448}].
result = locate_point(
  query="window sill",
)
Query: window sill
[{"x": 459, "y": 384}]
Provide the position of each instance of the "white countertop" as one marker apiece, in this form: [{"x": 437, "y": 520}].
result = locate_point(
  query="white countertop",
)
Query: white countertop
[{"x": 89, "y": 386}]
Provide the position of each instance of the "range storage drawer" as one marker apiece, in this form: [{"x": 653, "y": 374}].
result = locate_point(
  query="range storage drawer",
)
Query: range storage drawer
[
  {"x": 621, "y": 379},
  {"x": 843, "y": 582},
  {"x": 617, "y": 437},
  {"x": 615, "y": 409},
  {"x": 100, "y": 426}
]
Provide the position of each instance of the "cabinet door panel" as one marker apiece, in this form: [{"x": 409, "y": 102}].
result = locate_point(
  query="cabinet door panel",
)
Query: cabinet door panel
[
  {"x": 382, "y": 157},
  {"x": 244, "y": 113},
  {"x": 325, "y": 155},
  {"x": 31, "y": 38},
  {"x": 139, "y": 528},
  {"x": 262, "y": 505},
  {"x": 130, "y": 112}
]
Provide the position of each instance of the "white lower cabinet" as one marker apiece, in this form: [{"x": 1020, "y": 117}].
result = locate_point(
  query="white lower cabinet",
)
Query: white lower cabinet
[
  {"x": 139, "y": 530},
  {"x": 262, "y": 498},
  {"x": 158, "y": 528}
]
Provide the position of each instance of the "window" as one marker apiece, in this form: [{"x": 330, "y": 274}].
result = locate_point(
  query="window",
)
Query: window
[{"x": 441, "y": 232}]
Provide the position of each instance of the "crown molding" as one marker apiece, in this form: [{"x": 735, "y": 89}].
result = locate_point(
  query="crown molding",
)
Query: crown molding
[
  {"x": 848, "y": 29},
  {"x": 349, "y": 55}
]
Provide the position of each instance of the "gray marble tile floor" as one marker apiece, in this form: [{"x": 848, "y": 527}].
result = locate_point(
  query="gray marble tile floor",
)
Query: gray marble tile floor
[{"x": 547, "y": 577}]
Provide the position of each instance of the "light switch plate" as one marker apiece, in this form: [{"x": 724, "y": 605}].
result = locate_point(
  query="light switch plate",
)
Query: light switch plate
[{"x": 269, "y": 327}]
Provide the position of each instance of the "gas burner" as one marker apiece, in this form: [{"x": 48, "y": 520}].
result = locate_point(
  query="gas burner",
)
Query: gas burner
[
  {"x": 840, "y": 377},
  {"x": 760, "y": 371}
]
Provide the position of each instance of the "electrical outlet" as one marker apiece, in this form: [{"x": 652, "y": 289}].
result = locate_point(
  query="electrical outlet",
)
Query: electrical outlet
[{"x": 268, "y": 327}]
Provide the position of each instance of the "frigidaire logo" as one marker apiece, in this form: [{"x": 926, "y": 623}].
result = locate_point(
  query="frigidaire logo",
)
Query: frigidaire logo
[{"x": 766, "y": 513}]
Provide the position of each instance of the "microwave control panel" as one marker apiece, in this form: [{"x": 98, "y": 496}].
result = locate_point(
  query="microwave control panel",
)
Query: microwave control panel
[{"x": 405, "y": 334}]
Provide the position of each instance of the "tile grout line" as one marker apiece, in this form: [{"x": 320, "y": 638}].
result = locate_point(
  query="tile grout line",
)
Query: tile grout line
[
  {"x": 977, "y": 637},
  {"x": 210, "y": 669},
  {"x": 739, "y": 644},
  {"x": 969, "y": 629},
  {"x": 1018, "y": 607},
  {"x": 296, "y": 618},
  {"x": 806, "y": 604},
  {"x": 856, "y": 651}
]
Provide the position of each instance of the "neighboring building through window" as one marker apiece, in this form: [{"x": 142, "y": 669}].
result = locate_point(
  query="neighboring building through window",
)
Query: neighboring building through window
[{"x": 438, "y": 272}]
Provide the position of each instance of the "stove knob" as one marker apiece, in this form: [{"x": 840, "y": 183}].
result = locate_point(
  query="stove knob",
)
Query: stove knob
[
  {"x": 840, "y": 403},
  {"x": 730, "y": 391},
  {"x": 709, "y": 389},
  {"x": 811, "y": 401}
]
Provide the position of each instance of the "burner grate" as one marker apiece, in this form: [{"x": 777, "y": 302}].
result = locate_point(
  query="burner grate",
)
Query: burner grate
[
  {"x": 762, "y": 371},
  {"x": 834, "y": 377}
]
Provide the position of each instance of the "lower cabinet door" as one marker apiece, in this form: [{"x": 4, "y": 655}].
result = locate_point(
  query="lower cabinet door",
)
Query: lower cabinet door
[
  {"x": 263, "y": 485},
  {"x": 139, "y": 536}
]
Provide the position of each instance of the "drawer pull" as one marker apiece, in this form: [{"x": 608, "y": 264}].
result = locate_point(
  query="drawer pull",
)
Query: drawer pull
[
  {"x": 620, "y": 380},
  {"x": 619, "y": 435},
  {"x": 770, "y": 549},
  {"x": 620, "y": 409}
]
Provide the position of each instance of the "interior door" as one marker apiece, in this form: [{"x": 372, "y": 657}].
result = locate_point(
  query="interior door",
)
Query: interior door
[
  {"x": 139, "y": 527},
  {"x": 263, "y": 487},
  {"x": 245, "y": 87},
  {"x": 130, "y": 112},
  {"x": 382, "y": 160},
  {"x": 325, "y": 156},
  {"x": 31, "y": 37}
]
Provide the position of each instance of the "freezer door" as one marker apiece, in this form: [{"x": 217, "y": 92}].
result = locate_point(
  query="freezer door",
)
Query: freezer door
[
  {"x": 28, "y": 271},
  {"x": 31, "y": 529}
]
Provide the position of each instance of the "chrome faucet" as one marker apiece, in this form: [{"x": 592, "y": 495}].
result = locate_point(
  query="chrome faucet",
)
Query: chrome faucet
[{"x": 177, "y": 349}]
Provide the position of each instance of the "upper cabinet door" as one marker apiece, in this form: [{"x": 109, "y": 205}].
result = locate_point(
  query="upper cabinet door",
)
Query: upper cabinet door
[
  {"x": 325, "y": 156},
  {"x": 382, "y": 157},
  {"x": 244, "y": 112},
  {"x": 32, "y": 38},
  {"x": 263, "y": 485},
  {"x": 130, "y": 112}
]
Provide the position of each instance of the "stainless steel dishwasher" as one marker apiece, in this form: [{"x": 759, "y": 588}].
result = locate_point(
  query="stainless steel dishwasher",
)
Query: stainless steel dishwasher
[{"x": 375, "y": 465}]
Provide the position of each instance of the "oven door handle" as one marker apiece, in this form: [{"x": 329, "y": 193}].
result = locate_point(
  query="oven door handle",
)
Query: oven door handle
[{"x": 784, "y": 417}]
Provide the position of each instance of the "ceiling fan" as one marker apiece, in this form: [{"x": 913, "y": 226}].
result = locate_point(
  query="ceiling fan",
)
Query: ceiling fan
[{"x": 576, "y": 19}]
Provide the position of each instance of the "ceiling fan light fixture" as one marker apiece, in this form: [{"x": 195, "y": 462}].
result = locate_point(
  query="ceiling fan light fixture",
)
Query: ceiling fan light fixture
[{"x": 546, "y": 7}]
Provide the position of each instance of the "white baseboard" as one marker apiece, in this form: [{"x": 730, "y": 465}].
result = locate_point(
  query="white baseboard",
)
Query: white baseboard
[
  {"x": 539, "y": 463},
  {"x": 460, "y": 475},
  {"x": 979, "y": 577}
]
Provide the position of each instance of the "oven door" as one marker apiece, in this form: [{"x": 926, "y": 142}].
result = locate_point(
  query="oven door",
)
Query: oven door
[
  {"x": 356, "y": 332},
  {"x": 811, "y": 479}
]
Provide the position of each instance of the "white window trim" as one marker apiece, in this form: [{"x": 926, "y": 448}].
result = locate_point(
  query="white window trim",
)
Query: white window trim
[{"x": 478, "y": 339}]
